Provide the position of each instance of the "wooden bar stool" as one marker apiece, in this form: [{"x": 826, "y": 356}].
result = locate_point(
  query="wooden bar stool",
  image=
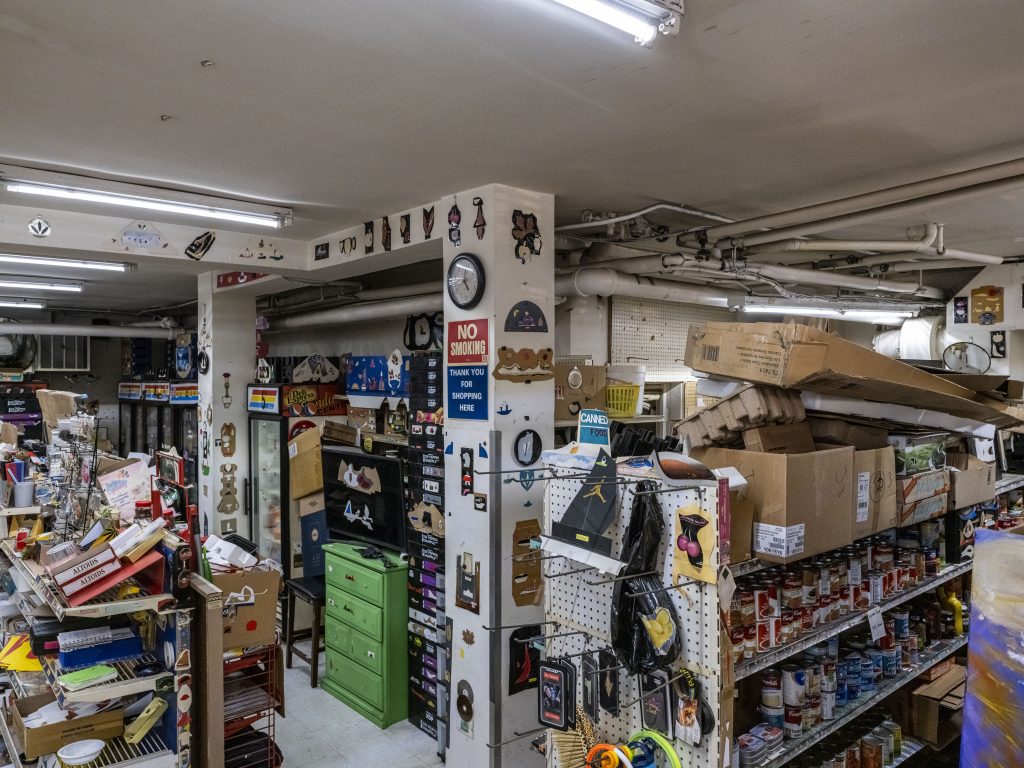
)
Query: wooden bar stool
[{"x": 311, "y": 590}]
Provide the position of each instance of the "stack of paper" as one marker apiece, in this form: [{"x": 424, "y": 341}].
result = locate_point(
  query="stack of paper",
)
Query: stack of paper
[{"x": 88, "y": 677}]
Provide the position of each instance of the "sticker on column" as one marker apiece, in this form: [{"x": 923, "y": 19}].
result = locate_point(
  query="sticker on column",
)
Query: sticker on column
[
  {"x": 464, "y": 706},
  {"x": 526, "y": 317},
  {"x": 998, "y": 344},
  {"x": 139, "y": 236},
  {"x": 405, "y": 228},
  {"x": 526, "y": 448},
  {"x": 524, "y": 365},
  {"x": 454, "y": 220},
  {"x": 228, "y": 504},
  {"x": 467, "y": 594},
  {"x": 527, "y": 235},
  {"x": 526, "y": 571},
  {"x": 385, "y": 234},
  {"x": 428, "y": 222},
  {"x": 504, "y": 409},
  {"x": 321, "y": 251},
  {"x": 525, "y": 479},
  {"x": 227, "y": 439},
  {"x": 523, "y": 659},
  {"x": 368, "y": 237},
  {"x": 348, "y": 245},
  {"x": 226, "y": 398},
  {"x": 479, "y": 223},
  {"x": 479, "y": 502},
  {"x": 200, "y": 246},
  {"x": 468, "y": 637},
  {"x": 466, "y": 461}
]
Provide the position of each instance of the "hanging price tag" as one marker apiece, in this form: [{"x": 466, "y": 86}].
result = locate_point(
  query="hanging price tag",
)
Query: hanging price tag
[
  {"x": 726, "y": 587},
  {"x": 876, "y": 623}
]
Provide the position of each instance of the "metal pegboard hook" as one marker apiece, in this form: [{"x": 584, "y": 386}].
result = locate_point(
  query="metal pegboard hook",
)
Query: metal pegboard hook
[
  {"x": 581, "y": 653},
  {"x": 570, "y": 573},
  {"x": 700, "y": 489},
  {"x": 621, "y": 578},
  {"x": 516, "y": 738},
  {"x": 520, "y": 626},
  {"x": 645, "y": 694},
  {"x": 525, "y": 640},
  {"x": 662, "y": 589}
]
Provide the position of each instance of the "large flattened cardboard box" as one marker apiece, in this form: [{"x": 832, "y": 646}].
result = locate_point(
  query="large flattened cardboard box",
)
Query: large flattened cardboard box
[
  {"x": 938, "y": 708},
  {"x": 780, "y": 438},
  {"x": 803, "y": 502},
  {"x": 305, "y": 465},
  {"x": 839, "y": 432},
  {"x": 972, "y": 481},
  {"x": 791, "y": 355},
  {"x": 47, "y": 739},
  {"x": 875, "y": 509},
  {"x": 250, "y": 607}
]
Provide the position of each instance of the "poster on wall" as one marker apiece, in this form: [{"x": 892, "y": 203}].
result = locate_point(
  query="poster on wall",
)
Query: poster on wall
[
  {"x": 467, "y": 355},
  {"x": 987, "y": 304},
  {"x": 960, "y": 304}
]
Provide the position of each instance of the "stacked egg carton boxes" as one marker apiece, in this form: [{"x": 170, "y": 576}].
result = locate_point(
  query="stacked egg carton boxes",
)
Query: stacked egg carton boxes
[{"x": 752, "y": 406}]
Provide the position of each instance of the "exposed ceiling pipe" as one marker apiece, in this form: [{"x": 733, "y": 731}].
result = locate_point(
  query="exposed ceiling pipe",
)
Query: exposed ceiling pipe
[
  {"x": 978, "y": 258},
  {"x": 873, "y": 214},
  {"x": 602, "y": 281},
  {"x": 412, "y": 305},
  {"x": 931, "y": 232},
  {"x": 642, "y": 265},
  {"x": 102, "y": 331},
  {"x": 928, "y": 265},
  {"x": 399, "y": 291},
  {"x": 597, "y": 223},
  {"x": 872, "y": 200}
]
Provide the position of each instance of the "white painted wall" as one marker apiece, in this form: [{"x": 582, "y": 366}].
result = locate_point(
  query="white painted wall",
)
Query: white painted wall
[{"x": 376, "y": 338}]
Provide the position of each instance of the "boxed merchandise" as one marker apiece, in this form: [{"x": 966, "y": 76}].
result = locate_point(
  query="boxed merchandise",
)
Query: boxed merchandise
[
  {"x": 780, "y": 438},
  {"x": 803, "y": 502},
  {"x": 578, "y": 387},
  {"x": 314, "y": 536},
  {"x": 45, "y": 739},
  {"x": 311, "y": 504},
  {"x": 972, "y": 480},
  {"x": 919, "y": 452},
  {"x": 876, "y": 507},
  {"x": 250, "y": 606},
  {"x": 921, "y": 486},
  {"x": 938, "y": 708},
  {"x": 798, "y": 356},
  {"x": 305, "y": 467},
  {"x": 926, "y": 509}
]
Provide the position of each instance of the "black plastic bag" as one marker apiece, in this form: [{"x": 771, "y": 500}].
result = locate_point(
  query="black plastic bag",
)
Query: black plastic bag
[{"x": 645, "y": 628}]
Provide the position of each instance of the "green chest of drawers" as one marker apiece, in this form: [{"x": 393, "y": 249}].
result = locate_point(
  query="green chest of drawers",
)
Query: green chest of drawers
[{"x": 365, "y": 631}]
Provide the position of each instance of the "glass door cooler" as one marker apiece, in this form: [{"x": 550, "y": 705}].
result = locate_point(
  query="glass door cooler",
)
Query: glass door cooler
[
  {"x": 277, "y": 413},
  {"x": 185, "y": 427},
  {"x": 129, "y": 399},
  {"x": 156, "y": 416}
]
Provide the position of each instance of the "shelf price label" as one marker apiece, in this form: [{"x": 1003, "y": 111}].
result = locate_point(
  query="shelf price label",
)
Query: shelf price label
[{"x": 876, "y": 624}]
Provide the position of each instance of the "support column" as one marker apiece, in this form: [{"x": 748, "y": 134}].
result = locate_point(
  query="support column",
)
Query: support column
[
  {"x": 227, "y": 334},
  {"x": 499, "y": 388}
]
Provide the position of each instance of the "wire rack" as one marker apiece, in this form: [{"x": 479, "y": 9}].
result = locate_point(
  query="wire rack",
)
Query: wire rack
[{"x": 251, "y": 694}]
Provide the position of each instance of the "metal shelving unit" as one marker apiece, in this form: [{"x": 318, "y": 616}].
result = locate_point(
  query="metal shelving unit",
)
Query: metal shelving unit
[
  {"x": 1009, "y": 483},
  {"x": 765, "y": 660},
  {"x": 911, "y": 747},
  {"x": 126, "y": 684},
  {"x": 14, "y": 747},
  {"x": 844, "y": 715},
  {"x": 105, "y": 605},
  {"x": 151, "y": 752}
]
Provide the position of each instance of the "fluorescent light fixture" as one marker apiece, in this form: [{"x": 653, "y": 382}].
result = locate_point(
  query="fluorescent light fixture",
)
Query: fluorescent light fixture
[
  {"x": 46, "y": 261},
  {"x": 26, "y": 285},
  {"x": 882, "y": 315},
  {"x": 30, "y": 181},
  {"x": 23, "y": 303},
  {"x": 640, "y": 18}
]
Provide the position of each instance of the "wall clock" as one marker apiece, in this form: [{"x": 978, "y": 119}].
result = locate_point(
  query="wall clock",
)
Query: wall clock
[{"x": 466, "y": 281}]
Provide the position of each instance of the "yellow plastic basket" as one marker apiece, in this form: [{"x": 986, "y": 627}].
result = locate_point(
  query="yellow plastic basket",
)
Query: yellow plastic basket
[{"x": 620, "y": 400}]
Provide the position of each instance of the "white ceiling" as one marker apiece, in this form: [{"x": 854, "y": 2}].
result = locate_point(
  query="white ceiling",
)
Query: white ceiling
[{"x": 345, "y": 110}]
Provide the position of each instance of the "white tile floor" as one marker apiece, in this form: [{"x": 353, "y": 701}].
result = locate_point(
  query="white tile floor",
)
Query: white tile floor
[{"x": 321, "y": 732}]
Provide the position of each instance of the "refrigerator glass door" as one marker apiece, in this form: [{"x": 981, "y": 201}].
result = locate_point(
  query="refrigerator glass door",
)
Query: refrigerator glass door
[
  {"x": 138, "y": 431},
  {"x": 152, "y": 429},
  {"x": 167, "y": 428},
  {"x": 266, "y": 456},
  {"x": 189, "y": 440},
  {"x": 124, "y": 428}
]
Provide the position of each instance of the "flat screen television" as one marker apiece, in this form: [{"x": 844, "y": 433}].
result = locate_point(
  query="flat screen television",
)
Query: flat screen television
[{"x": 363, "y": 496}]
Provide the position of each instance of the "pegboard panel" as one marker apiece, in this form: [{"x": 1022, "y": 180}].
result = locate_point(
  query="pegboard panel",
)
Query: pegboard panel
[
  {"x": 576, "y": 603},
  {"x": 653, "y": 334}
]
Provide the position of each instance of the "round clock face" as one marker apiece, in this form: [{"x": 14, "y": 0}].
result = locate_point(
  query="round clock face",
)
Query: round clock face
[{"x": 466, "y": 281}]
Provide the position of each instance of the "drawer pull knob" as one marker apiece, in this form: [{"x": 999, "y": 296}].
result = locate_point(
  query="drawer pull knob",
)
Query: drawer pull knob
[
  {"x": 350, "y": 577},
  {"x": 346, "y": 608}
]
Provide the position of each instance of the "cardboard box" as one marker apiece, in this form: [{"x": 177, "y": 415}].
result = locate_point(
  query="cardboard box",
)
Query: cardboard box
[
  {"x": 875, "y": 508},
  {"x": 803, "y": 502},
  {"x": 311, "y": 504},
  {"x": 780, "y": 438},
  {"x": 798, "y": 356},
  {"x": 972, "y": 481},
  {"x": 938, "y": 708},
  {"x": 918, "y": 452},
  {"x": 921, "y": 486},
  {"x": 305, "y": 466},
  {"x": 250, "y": 606},
  {"x": 838, "y": 432},
  {"x": 49, "y": 738},
  {"x": 926, "y": 509},
  {"x": 590, "y": 392},
  {"x": 741, "y": 529}
]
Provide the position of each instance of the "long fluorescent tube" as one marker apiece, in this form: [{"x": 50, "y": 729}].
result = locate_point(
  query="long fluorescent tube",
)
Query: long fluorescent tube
[
  {"x": 23, "y": 303},
  {"x": 34, "y": 286},
  {"x": 274, "y": 220},
  {"x": 46, "y": 261},
  {"x": 614, "y": 15}
]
